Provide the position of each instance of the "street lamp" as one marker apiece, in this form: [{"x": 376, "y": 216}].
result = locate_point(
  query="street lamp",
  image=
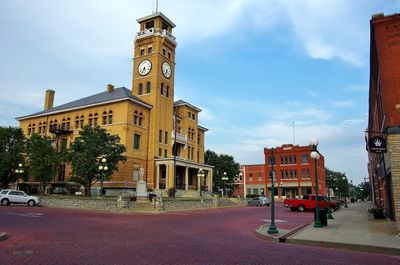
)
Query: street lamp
[
  {"x": 281, "y": 187},
  {"x": 19, "y": 172},
  {"x": 272, "y": 228},
  {"x": 224, "y": 178},
  {"x": 200, "y": 175},
  {"x": 345, "y": 197},
  {"x": 315, "y": 155},
  {"x": 102, "y": 168}
]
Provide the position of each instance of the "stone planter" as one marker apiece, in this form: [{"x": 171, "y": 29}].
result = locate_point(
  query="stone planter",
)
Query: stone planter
[{"x": 378, "y": 215}]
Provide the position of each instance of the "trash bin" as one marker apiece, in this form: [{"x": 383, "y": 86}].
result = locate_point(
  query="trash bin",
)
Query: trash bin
[{"x": 323, "y": 212}]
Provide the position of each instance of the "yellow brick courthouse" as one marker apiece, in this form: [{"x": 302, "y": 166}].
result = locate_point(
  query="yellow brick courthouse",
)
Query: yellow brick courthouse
[{"x": 147, "y": 119}]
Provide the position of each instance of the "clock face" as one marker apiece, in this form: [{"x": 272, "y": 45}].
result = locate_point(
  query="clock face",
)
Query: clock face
[
  {"x": 144, "y": 67},
  {"x": 166, "y": 69}
]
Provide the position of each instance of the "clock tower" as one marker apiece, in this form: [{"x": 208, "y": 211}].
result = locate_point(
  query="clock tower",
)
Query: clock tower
[{"x": 153, "y": 82}]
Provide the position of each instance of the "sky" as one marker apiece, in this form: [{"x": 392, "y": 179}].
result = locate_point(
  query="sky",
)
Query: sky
[{"x": 265, "y": 73}]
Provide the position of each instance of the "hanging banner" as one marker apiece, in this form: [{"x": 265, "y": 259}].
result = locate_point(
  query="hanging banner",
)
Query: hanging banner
[{"x": 377, "y": 145}]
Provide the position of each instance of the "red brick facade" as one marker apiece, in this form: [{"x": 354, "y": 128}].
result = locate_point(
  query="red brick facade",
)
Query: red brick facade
[
  {"x": 295, "y": 173},
  {"x": 384, "y": 112}
]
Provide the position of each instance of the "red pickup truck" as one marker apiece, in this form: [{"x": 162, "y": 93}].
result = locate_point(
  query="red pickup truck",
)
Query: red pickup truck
[{"x": 307, "y": 202}]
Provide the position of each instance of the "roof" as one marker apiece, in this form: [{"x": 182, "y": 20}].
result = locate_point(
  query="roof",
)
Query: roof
[
  {"x": 119, "y": 94},
  {"x": 202, "y": 128},
  {"x": 184, "y": 103},
  {"x": 139, "y": 20}
]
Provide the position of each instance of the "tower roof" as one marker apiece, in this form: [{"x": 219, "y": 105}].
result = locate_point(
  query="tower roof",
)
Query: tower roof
[{"x": 158, "y": 14}]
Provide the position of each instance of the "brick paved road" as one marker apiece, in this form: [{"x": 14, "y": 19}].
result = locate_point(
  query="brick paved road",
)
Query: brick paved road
[{"x": 220, "y": 236}]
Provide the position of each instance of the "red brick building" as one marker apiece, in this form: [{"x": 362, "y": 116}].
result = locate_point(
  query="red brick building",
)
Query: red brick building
[
  {"x": 384, "y": 113},
  {"x": 295, "y": 173}
]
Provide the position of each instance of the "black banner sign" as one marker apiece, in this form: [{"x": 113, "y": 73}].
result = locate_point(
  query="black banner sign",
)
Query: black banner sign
[{"x": 377, "y": 144}]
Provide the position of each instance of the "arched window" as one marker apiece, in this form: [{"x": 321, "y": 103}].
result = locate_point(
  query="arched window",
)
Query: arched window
[
  {"x": 68, "y": 123},
  {"x": 135, "y": 118},
  {"x": 82, "y": 121},
  {"x": 33, "y": 128},
  {"x": 140, "y": 89},
  {"x": 148, "y": 87},
  {"x": 55, "y": 125},
  {"x": 29, "y": 129},
  {"x": 95, "y": 119},
  {"x": 90, "y": 119},
  {"x": 167, "y": 92},
  {"x": 51, "y": 125},
  {"x": 40, "y": 128},
  {"x": 110, "y": 117},
  {"x": 140, "y": 119},
  {"x": 162, "y": 89},
  {"x": 63, "y": 124},
  {"x": 76, "y": 122},
  {"x": 104, "y": 118}
]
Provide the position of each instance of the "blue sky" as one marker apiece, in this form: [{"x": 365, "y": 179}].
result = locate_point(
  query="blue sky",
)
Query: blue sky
[{"x": 253, "y": 66}]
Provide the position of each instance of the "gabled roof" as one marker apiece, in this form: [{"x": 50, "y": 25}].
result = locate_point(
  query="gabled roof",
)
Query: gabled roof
[
  {"x": 119, "y": 94},
  {"x": 184, "y": 103}
]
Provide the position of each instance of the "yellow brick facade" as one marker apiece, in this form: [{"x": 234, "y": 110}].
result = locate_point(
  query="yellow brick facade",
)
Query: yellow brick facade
[{"x": 149, "y": 115}]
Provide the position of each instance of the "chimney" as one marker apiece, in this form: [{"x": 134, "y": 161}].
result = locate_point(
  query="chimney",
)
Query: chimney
[
  {"x": 110, "y": 88},
  {"x": 49, "y": 99}
]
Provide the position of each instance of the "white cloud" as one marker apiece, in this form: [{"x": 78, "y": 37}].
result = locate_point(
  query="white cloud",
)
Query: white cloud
[{"x": 342, "y": 103}]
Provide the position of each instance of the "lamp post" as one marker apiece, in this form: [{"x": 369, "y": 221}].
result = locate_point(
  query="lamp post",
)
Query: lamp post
[
  {"x": 345, "y": 197},
  {"x": 200, "y": 175},
  {"x": 102, "y": 168},
  {"x": 19, "y": 172},
  {"x": 315, "y": 155},
  {"x": 329, "y": 215},
  {"x": 224, "y": 179},
  {"x": 272, "y": 228}
]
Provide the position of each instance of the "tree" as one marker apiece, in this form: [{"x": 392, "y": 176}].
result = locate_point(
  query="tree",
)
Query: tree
[
  {"x": 42, "y": 159},
  {"x": 93, "y": 144},
  {"x": 12, "y": 147},
  {"x": 338, "y": 182},
  {"x": 222, "y": 163}
]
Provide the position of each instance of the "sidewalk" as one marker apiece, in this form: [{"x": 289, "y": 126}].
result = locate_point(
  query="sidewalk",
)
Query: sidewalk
[{"x": 352, "y": 228}]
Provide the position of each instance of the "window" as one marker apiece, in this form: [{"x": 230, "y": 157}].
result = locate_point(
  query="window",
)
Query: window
[
  {"x": 169, "y": 55},
  {"x": 166, "y": 137},
  {"x": 104, "y": 119},
  {"x": 304, "y": 159},
  {"x": 160, "y": 136},
  {"x": 150, "y": 50},
  {"x": 248, "y": 191},
  {"x": 40, "y": 128},
  {"x": 167, "y": 92},
  {"x": 135, "y": 118},
  {"x": 136, "y": 141},
  {"x": 262, "y": 191},
  {"x": 307, "y": 173},
  {"x": 189, "y": 115},
  {"x": 82, "y": 121},
  {"x": 140, "y": 119},
  {"x": 290, "y": 159},
  {"x": 255, "y": 191},
  {"x": 198, "y": 138},
  {"x": 159, "y": 152},
  {"x": 259, "y": 176},
  {"x": 282, "y": 175},
  {"x": 193, "y": 117},
  {"x": 295, "y": 173},
  {"x": 90, "y": 119},
  {"x": 163, "y": 51},
  {"x": 140, "y": 89},
  {"x": 162, "y": 89},
  {"x": 141, "y": 52},
  {"x": 250, "y": 177},
  {"x": 110, "y": 117},
  {"x": 165, "y": 153},
  {"x": 95, "y": 119},
  {"x": 294, "y": 160},
  {"x": 148, "y": 87},
  {"x": 44, "y": 127},
  {"x": 291, "y": 174},
  {"x": 76, "y": 122},
  {"x": 281, "y": 160},
  {"x": 149, "y": 25}
]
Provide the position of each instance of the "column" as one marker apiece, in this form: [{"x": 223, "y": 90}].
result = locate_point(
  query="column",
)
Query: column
[
  {"x": 186, "y": 178},
  {"x": 158, "y": 178},
  {"x": 198, "y": 182}
]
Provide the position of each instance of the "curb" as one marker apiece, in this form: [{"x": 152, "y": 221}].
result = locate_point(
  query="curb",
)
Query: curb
[{"x": 362, "y": 248}]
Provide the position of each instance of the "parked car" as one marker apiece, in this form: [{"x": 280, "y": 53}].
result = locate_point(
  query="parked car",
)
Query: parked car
[
  {"x": 307, "y": 202},
  {"x": 335, "y": 204},
  {"x": 60, "y": 190},
  {"x": 18, "y": 197},
  {"x": 259, "y": 201}
]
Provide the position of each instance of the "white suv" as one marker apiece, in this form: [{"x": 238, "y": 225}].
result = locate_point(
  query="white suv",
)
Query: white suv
[{"x": 17, "y": 196}]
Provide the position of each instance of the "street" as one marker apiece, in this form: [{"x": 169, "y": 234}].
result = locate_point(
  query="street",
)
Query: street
[{"x": 41, "y": 235}]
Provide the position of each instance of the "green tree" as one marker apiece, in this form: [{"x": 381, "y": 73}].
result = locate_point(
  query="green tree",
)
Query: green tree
[
  {"x": 12, "y": 147},
  {"x": 42, "y": 159},
  {"x": 338, "y": 182},
  {"x": 222, "y": 163},
  {"x": 93, "y": 144}
]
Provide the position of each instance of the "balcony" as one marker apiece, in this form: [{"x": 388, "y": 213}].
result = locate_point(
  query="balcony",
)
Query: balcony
[
  {"x": 60, "y": 129},
  {"x": 155, "y": 32}
]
